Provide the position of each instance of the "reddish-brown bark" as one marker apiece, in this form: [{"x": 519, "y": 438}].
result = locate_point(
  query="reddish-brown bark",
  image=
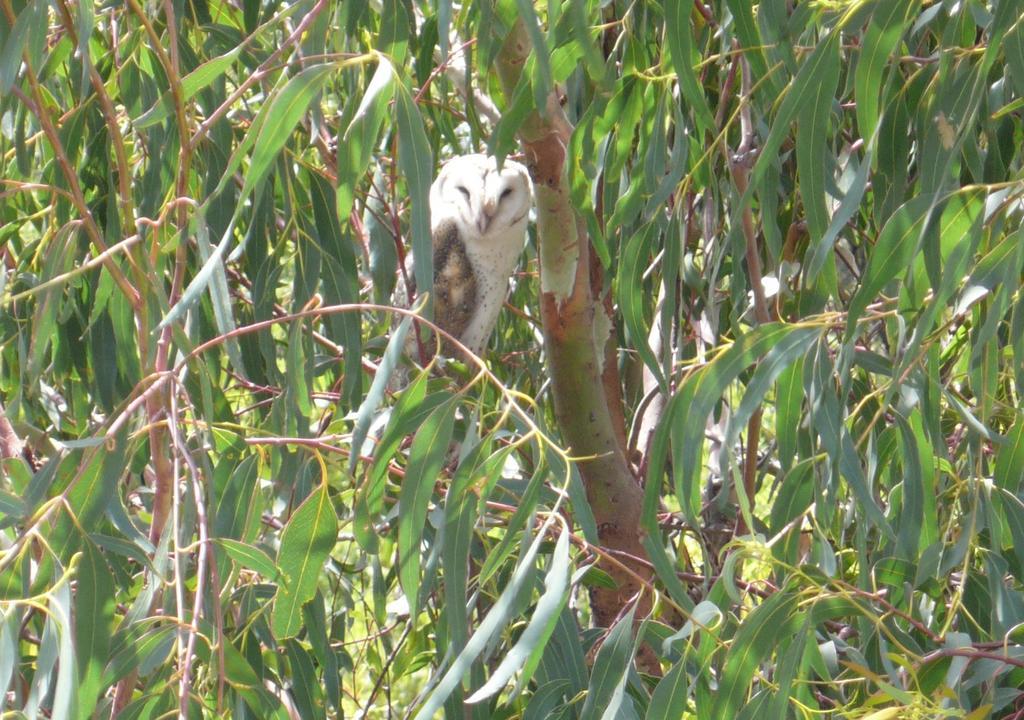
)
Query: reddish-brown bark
[{"x": 585, "y": 380}]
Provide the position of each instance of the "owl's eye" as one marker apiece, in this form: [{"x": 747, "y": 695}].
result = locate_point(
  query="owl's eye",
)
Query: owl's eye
[
  {"x": 462, "y": 189},
  {"x": 505, "y": 193}
]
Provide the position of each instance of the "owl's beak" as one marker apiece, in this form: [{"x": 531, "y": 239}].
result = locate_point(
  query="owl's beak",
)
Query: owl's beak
[{"x": 490, "y": 208}]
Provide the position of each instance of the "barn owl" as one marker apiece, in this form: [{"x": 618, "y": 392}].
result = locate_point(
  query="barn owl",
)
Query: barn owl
[{"x": 478, "y": 226}]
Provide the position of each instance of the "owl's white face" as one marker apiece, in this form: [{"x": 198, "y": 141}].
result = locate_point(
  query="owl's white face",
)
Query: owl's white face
[
  {"x": 486, "y": 203},
  {"x": 490, "y": 209}
]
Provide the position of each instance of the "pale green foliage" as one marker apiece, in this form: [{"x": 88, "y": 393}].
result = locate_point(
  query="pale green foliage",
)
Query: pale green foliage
[{"x": 199, "y": 204}]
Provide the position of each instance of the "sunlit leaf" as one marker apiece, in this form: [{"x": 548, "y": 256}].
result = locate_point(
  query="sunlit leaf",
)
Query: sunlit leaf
[{"x": 306, "y": 542}]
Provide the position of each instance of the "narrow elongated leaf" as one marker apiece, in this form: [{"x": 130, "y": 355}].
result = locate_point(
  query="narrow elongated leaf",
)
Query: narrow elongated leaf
[
  {"x": 701, "y": 392},
  {"x": 416, "y": 162},
  {"x": 820, "y": 250},
  {"x": 750, "y": 39},
  {"x": 811, "y": 148},
  {"x": 375, "y": 395},
  {"x": 545, "y": 700},
  {"x": 65, "y": 699},
  {"x": 1014, "y": 48},
  {"x": 341, "y": 282},
  {"x": 526, "y": 652},
  {"x": 393, "y": 38},
  {"x": 884, "y": 31},
  {"x": 670, "y": 695},
  {"x": 631, "y": 300},
  {"x": 28, "y": 27},
  {"x": 788, "y": 403},
  {"x": 306, "y": 542},
  {"x": 429, "y": 449},
  {"x": 250, "y": 557},
  {"x": 787, "y": 351},
  {"x": 788, "y": 668},
  {"x": 611, "y": 668},
  {"x": 86, "y": 497},
  {"x": 200, "y": 78},
  {"x": 897, "y": 245},
  {"x": 286, "y": 109},
  {"x": 1009, "y": 468},
  {"x": 94, "y": 622},
  {"x": 495, "y": 619},
  {"x": 801, "y": 91},
  {"x": 680, "y": 43},
  {"x": 542, "y": 62},
  {"x": 754, "y": 642},
  {"x": 827, "y": 419},
  {"x": 461, "y": 513},
  {"x": 408, "y": 415},
  {"x": 356, "y": 144},
  {"x": 917, "y": 519},
  {"x": 9, "y": 625}
]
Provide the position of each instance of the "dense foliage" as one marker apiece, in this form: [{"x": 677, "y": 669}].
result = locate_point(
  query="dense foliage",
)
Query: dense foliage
[{"x": 803, "y": 220}]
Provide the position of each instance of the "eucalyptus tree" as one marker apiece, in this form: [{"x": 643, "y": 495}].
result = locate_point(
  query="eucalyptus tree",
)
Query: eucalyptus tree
[{"x": 747, "y": 441}]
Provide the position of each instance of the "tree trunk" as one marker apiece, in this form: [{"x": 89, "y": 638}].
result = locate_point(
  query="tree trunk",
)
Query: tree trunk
[{"x": 577, "y": 328}]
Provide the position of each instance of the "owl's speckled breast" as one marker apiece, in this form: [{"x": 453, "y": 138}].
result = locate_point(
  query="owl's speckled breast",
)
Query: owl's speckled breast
[{"x": 455, "y": 287}]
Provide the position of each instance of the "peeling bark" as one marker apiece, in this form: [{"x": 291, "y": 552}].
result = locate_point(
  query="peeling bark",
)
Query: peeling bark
[
  {"x": 585, "y": 381},
  {"x": 10, "y": 444}
]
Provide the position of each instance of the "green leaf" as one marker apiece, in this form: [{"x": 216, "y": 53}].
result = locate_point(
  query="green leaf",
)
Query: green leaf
[
  {"x": 634, "y": 261},
  {"x": 755, "y": 641},
  {"x": 29, "y": 28},
  {"x": 802, "y": 90},
  {"x": 305, "y": 683},
  {"x": 547, "y": 697},
  {"x": 827, "y": 420},
  {"x": 897, "y": 245},
  {"x": 94, "y": 624},
  {"x": 357, "y": 142},
  {"x": 787, "y": 351},
  {"x": 495, "y": 619},
  {"x": 57, "y": 643},
  {"x": 1013, "y": 47},
  {"x": 611, "y": 669},
  {"x": 750, "y": 40},
  {"x": 9, "y": 656},
  {"x": 526, "y": 652},
  {"x": 789, "y": 398},
  {"x": 416, "y": 162},
  {"x": 670, "y": 695},
  {"x": 812, "y": 151},
  {"x": 1009, "y": 468},
  {"x": 375, "y": 395},
  {"x": 582, "y": 32},
  {"x": 796, "y": 492},
  {"x": 12, "y": 507},
  {"x": 699, "y": 394},
  {"x": 885, "y": 29},
  {"x": 917, "y": 521},
  {"x": 286, "y": 109},
  {"x": 306, "y": 543},
  {"x": 791, "y": 661},
  {"x": 412, "y": 408},
  {"x": 237, "y": 496},
  {"x": 200, "y": 78},
  {"x": 680, "y": 43},
  {"x": 250, "y": 557},
  {"x": 460, "y": 516},
  {"x": 427, "y": 455},
  {"x": 393, "y": 38},
  {"x": 541, "y": 80},
  {"x": 96, "y": 480}
]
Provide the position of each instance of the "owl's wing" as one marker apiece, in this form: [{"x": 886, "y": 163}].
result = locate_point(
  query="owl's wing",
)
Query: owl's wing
[{"x": 455, "y": 287}]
